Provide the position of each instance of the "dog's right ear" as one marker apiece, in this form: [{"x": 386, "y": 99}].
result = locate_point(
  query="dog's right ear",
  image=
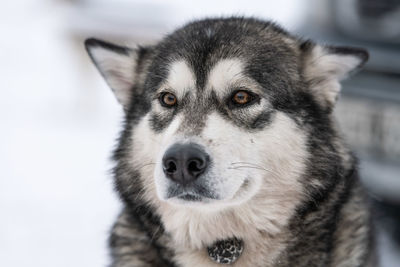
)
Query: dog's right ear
[
  {"x": 117, "y": 65},
  {"x": 325, "y": 66}
]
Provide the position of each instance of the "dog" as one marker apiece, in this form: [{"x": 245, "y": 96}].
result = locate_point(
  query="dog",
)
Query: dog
[{"x": 230, "y": 153}]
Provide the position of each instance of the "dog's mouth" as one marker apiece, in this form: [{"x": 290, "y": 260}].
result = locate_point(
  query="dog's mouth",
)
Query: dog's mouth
[
  {"x": 204, "y": 199},
  {"x": 200, "y": 195},
  {"x": 190, "y": 197},
  {"x": 194, "y": 193}
]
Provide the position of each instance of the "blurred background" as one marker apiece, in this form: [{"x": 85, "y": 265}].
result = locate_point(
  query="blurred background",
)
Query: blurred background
[{"x": 59, "y": 121}]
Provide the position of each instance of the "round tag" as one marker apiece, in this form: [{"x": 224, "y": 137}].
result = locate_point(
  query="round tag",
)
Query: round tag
[{"x": 226, "y": 251}]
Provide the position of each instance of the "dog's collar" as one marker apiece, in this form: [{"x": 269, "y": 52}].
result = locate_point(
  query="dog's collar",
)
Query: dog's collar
[{"x": 226, "y": 251}]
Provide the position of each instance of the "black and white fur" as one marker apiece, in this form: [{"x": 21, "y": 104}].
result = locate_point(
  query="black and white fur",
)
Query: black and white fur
[{"x": 281, "y": 178}]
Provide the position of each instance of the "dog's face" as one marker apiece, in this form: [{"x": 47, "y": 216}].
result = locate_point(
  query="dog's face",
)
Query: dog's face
[
  {"x": 209, "y": 144},
  {"x": 220, "y": 110}
]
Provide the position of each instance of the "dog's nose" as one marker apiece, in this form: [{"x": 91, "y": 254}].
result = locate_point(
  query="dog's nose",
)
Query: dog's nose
[{"x": 184, "y": 163}]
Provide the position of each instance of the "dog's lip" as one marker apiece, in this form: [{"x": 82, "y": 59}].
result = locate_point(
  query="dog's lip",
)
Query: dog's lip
[
  {"x": 190, "y": 197},
  {"x": 189, "y": 193}
]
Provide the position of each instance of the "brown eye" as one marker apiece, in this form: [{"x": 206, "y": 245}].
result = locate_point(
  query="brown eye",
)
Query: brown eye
[
  {"x": 241, "y": 98},
  {"x": 168, "y": 100}
]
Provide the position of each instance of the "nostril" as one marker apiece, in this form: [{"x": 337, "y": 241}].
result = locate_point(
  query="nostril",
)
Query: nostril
[
  {"x": 170, "y": 166},
  {"x": 196, "y": 166}
]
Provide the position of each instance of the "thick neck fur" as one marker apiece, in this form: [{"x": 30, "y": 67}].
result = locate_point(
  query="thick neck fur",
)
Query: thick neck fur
[{"x": 261, "y": 226}]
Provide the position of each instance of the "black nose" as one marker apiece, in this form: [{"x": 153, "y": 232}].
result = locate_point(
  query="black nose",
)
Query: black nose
[{"x": 183, "y": 163}]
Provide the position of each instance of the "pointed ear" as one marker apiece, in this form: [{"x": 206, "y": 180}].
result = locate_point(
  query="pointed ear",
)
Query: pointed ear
[
  {"x": 325, "y": 66},
  {"x": 117, "y": 65}
]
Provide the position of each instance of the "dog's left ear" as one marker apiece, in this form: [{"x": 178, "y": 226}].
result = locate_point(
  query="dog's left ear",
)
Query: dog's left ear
[
  {"x": 325, "y": 66},
  {"x": 117, "y": 64}
]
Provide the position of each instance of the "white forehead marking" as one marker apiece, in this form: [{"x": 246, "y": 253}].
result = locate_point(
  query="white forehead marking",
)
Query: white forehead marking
[
  {"x": 225, "y": 73},
  {"x": 180, "y": 77}
]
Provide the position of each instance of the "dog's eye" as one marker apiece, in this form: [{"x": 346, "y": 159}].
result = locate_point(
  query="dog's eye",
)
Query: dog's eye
[
  {"x": 168, "y": 99},
  {"x": 242, "y": 98}
]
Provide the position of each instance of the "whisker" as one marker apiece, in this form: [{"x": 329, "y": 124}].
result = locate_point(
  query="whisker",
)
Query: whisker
[
  {"x": 250, "y": 165},
  {"x": 254, "y": 167},
  {"x": 244, "y": 162}
]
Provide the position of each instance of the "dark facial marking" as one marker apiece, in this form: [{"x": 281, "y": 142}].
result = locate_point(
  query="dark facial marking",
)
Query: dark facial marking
[
  {"x": 262, "y": 120},
  {"x": 195, "y": 113},
  {"x": 159, "y": 122}
]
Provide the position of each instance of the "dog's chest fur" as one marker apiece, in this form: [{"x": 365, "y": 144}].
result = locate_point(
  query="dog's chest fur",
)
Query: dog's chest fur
[{"x": 263, "y": 235}]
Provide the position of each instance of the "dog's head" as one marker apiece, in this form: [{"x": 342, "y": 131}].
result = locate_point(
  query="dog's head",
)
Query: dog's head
[{"x": 221, "y": 109}]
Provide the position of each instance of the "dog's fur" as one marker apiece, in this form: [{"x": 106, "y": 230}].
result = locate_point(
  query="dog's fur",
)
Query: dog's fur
[{"x": 281, "y": 177}]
